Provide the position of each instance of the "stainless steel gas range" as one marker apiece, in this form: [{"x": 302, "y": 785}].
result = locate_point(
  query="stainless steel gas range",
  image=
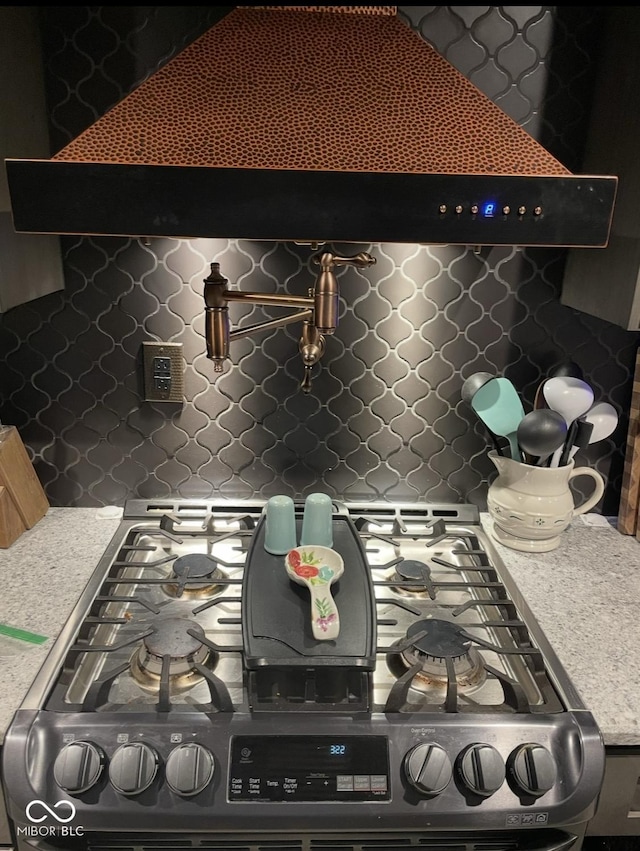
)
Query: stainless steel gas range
[{"x": 186, "y": 702}]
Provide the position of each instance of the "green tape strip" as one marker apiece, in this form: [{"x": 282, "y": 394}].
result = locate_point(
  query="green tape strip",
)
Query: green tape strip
[{"x": 21, "y": 634}]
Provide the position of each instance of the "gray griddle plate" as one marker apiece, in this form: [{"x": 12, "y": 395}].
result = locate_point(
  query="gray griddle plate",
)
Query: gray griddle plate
[{"x": 276, "y": 616}]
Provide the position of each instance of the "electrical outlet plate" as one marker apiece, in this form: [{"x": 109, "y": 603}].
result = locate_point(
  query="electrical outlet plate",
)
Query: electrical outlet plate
[{"x": 163, "y": 365}]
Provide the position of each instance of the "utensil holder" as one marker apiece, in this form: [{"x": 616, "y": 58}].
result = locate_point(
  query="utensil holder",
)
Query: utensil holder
[{"x": 531, "y": 506}]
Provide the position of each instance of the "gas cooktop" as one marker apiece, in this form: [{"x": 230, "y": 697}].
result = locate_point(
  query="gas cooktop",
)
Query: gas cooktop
[
  {"x": 188, "y": 678},
  {"x": 194, "y": 613}
]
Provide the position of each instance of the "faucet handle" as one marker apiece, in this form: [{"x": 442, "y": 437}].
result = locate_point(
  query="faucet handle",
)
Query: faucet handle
[
  {"x": 311, "y": 344},
  {"x": 311, "y": 347},
  {"x": 328, "y": 260},
  {"x": 305, "y": 385}
]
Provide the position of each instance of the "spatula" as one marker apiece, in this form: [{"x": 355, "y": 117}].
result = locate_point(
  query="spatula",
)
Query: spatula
[
  {"x": 499, "y": 407},
  {"x": 469, "y": 390},
  {"x": 318, "y": 568}
]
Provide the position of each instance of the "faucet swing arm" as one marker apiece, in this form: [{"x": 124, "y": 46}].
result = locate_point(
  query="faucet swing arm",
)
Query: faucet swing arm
[{"x": 270, "y": 324}]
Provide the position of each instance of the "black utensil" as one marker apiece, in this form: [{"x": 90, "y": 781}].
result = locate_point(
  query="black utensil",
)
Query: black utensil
[
  {"x": 473, "y": 384},
  {"x": 568, "y": 369},
  {"x": 577, "y": 438},
  {"x": 541, "y": 433}
]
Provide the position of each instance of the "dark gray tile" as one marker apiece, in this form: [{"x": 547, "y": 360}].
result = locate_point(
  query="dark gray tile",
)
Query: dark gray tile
[
  {"x": 387, "y": 407},
  {"x": 128, "y": 473},
  {"x": 382, "y": 479},
  {"x": 235, "y": 421},
  {"x": 391, "y": 369},
  {"x": 407, "y": 425},
  {"x": 146, "y": 454},
  {"x": 164, "y": 325},
  {"x": 365, "y": 424},
  {"x": 385, "y": 443},
  {"x": 108, "y": 491},
  {"x": 340, "y": 478}
]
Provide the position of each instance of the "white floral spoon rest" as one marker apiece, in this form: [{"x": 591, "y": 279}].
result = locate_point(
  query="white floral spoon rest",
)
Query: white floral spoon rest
[{"x": 318, "y": 568}]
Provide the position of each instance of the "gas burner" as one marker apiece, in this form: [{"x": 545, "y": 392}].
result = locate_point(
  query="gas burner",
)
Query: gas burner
[
  {"x": 418, "y": 574},
  {"x": 181, "y": 641},
  {"x": 190, "y": 572},
  {"x": 439, "y": 645}
]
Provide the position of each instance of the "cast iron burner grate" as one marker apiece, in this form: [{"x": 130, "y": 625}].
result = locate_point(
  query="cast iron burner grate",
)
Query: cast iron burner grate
[
  {"x": 196, "y": 576},
  {"x": 439, "y": 623}
]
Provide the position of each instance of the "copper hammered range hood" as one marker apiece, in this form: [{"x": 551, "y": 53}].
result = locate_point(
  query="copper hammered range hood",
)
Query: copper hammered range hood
[{"x": 311, "y": 124}]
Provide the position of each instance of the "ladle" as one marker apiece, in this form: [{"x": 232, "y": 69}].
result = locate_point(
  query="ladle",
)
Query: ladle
[
  {"x": 603, "y": 419},
  {"x": 540, "y": 433},
  {"x": 564, "y": 369},
  {"x": 571, "y": 397},
  {"x": 499, "y": 407}
]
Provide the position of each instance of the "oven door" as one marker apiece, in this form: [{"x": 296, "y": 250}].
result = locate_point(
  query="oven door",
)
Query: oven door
[{"x": 523, "y": 840}]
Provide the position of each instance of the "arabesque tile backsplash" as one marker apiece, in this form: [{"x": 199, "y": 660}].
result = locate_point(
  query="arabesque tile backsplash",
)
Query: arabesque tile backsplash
[{"x": 384, "y": 419}]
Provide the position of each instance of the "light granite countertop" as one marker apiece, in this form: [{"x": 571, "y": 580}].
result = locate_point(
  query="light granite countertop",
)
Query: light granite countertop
[
  {"x": 43, "y": 573},
  {"x": 585, "y": 595}
]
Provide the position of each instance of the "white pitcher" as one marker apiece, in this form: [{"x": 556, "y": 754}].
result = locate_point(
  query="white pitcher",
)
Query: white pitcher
[{"x": 531, "y": 506}]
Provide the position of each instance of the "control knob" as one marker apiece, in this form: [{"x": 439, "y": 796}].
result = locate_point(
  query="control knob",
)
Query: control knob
[
  {"x": 133, "y": 768},
  {"x": 481, "y": 769},
  {"x": 189, "y": 769},
  {"x": 78, "y": 766},
  {"x": 428, "y": 768},
  {"x": 532, "y": 769}
]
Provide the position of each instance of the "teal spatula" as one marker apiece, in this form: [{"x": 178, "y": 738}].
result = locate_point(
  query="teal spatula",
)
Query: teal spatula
[{"x": 499, "y": 407}]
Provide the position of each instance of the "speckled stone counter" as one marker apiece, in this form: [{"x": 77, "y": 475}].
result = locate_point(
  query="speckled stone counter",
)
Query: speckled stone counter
[
  {"x": 585, "y": 595},
  {"x": 42, "y": 574}
]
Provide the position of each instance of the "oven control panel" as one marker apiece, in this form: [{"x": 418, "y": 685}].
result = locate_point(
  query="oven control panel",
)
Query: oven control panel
[
  {"x": 309, "y": 768},
  {"x": 127, "y": 769}
]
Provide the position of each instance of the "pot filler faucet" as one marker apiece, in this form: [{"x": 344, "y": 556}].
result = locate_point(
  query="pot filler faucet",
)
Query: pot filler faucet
[{"x": 318, "y": 311}]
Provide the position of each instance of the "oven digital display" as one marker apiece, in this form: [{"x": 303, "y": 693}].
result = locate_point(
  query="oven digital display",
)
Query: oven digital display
[{"x": 309, "y": 768}]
